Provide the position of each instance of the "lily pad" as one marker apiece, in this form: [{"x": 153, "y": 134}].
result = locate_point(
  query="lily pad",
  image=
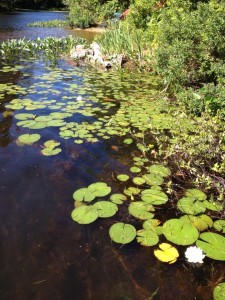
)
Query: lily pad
[
  {"x": 128, "y": 141},
  {"x": 153, "y": 225},
  {"x": 153, "y": 196},
  {"x": 191, "y": 206},
  {"x": 196, "y": 194},
  {"x": 50, "y": 151},
  {"x": 153, "y": 179},
  {"x": 219, "y": 225},
  {"x": 135, "y": 170},
  {"x": 99, "y": 189},
  {"x": 147, "y": 237},
  {"x": 141, "y": 210},
  {"x": 118, "y": 198},
  {"x": 219, "y": 292},
  {"x": 213, "y": 244},
  {"x": 160, "y": 170},
  {"x": 180, "y": 232},
  {"x": 201, "y": 222},
  {"x": 28, "y": 139},
  {"x": 123, "y": 177},
  {"x": 138, "y": 180},
  {"x": 83, "y": 194},
  {"x": 84, "y": 214},
  {"x": 167, "y": 253},
  {"x": 122, "y": 233},
  {"x": 105, "y": 209},
  {"x": 214, "y": 206}
]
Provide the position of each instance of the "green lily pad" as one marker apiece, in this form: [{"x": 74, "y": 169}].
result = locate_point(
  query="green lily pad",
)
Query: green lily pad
[
  {"x": 83, "y": 194},
  {"x": 123, "y": 177},
  {"x": 153, "y": 196},
  {"x": 141, "y": 210},
  {"x": 201, "y": 222},
  {"x": 51, "y": 144},
  {"x": 147, "y": 237},
  {"x": 196, "y": 194},
  {"x": 214, "y": 206},
  {"x": 122, "y": 233},
  {"x": 153, "y": 179},
  {"x": 99, "y": 189},
  {"x": 153, "y": 225},
  {"x": 135, "y": 170},
  {"x": 219, "y": 225},
  {"x": 180, "y": 232},
  {"x": 213, "y": 244},
  {"x": 219, "y": 292},
  {"x": 160, "y": 170},
  {"x": 118, "y": 198},
  {"x": 28, "y": 139},
  {"x": 84, "y": 214},
  {"x": 191, "y": 206},
  {"x": 138, "y": 180},
  {"x": 128, "y": 141},
  {"x": 105, "y": 209},
  {"x": 24, "y": 116},
  {"x": 50, "y": 151}
]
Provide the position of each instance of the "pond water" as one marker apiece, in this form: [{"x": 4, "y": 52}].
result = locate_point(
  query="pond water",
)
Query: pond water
[{"x": 44, "y": 253}]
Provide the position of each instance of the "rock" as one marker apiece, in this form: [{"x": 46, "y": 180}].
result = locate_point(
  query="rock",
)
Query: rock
[{"x": 78, "y": 53}]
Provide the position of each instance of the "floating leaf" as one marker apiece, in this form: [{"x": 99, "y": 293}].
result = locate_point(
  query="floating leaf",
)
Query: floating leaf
[
  {"x": 201, "y": 222},
  {"x": 219, "y": 292},
  {"x": 219, "y": 225},
  {"x": 128, "y": 141},
  {"x": 191, "y": 206},
  {"x": 50, "y": 151},
  {"x": 153, "y": 196},
  {"x": 160, "y": 170},
  {"x": 122, "y": 233},
  {"x": 153, "y": 225},
  {"x": 213, "y": 244},
  {"x": 118, "y": 198},
  {"x": 141, "y": 210},
  {"x": 167, "y": 253},
  {"x": 29, "y": 139},
  {"x": 180, "y": 232},
  {"x": 84, "y": 214},
  {"x": 83, "y": 194},
  {"x": 105, "y": 209},
  {"x": 135, "y": 169},
  {"x": 123, "y": 177},
  {"x": 51, "y": 144},
  {"x": 147, "y": 237},
  {"x": 196, "y": 194},
  {"x": 138, "y": 180},
  {"x": 214, "y": 206},
  {"x": 99, "y": 189},
  {"x": 153, "y": 179}
]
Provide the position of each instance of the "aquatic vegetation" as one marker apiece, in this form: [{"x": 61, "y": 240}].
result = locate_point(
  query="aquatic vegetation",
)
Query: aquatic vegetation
[
  {"x": 194, "y": 255},
  {"x": 122, "y": 233},
  {"x": 28, "y": 139},
  {"x": 49, "y": 47},
  {"x": 50, "y": 23},
  {"x": 213, "y": 244},
  {"x": 219, "y": 291},
  {"x": 50, "y": 148},
  {"x": 167, "y": 253}
]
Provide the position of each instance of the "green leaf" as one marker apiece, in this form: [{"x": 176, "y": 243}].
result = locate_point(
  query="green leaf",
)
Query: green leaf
[
  {"x": 28, "y": 139},
  {"x": 219, "y": 225},
  {"x": 201, "y": 222},
  {"x": 105, "y": 209},
  {"x": 141, "y": 210},
  {"x": 84, "y": 214},
  {"x": 135, "y": 170},
  {"x": 153, "y": 225},
  {"x": 83, "y": 194},
  {"x": 50, "y": 151},
  {"x": 153, "y": 196},
  {"x": 213, "y": 244},
  {"x": 123, "y": 177},
  {"x": 180, "y": 232},
  {"x": 99, "y": 189},
  {"x": 196, "y": 194},
  {"x": 191, "y": 206},
  {"x": 138, "y": 180},
  {"x": 160, "y": 170},
  {"x": 214, "y": 206},
  {"x": 153, "y": 179},
  {"x": 219, "y": 292},
  {"x": 147, "y": 237},
  {"x": 118, "y": 198},
  {"x": 122, "y": 233},
  {"x": 128, "y": 141}
]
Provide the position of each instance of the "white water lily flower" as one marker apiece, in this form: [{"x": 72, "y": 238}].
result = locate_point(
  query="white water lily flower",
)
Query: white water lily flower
[
  {"x": 79, "y": 98},
  {"x": 194, "y": 255}
]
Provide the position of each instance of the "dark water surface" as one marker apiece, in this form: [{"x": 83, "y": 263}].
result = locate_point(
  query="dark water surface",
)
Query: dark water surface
[{"x": 44, "y": 255}]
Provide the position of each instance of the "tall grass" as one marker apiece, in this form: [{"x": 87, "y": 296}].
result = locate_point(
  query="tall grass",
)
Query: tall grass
[{"x": 120, "y": 39}]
